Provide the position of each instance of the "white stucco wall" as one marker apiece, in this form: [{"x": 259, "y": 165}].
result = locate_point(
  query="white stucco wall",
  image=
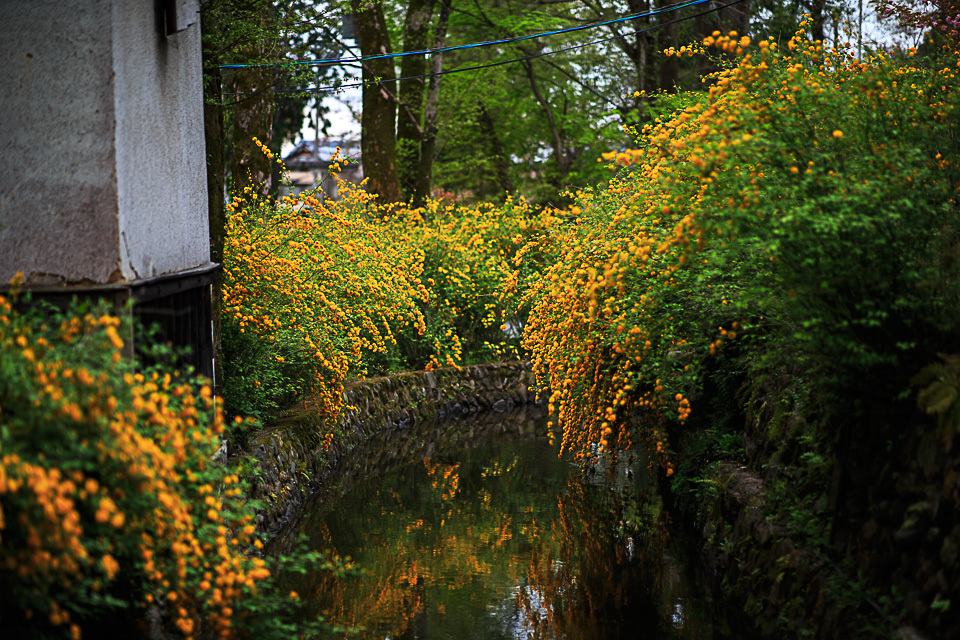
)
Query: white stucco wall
[
  {"x": 102, "y": 168},
  {"x": 161, "y": 164}
]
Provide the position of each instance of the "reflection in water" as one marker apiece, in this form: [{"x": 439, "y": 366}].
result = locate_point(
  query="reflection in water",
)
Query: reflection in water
[{"x": 498, "y": 538}]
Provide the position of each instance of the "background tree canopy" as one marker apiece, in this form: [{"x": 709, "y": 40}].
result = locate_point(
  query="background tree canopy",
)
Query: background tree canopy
[{"x": 529, "y": 115}]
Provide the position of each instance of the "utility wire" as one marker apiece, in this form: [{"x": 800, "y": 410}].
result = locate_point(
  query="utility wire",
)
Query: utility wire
[
  {"x": 502, "y": 62},
  {"x": 459, "y": 47}
]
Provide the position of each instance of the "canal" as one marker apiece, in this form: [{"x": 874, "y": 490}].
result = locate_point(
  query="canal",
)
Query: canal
[{"x": 476, "y": 529}]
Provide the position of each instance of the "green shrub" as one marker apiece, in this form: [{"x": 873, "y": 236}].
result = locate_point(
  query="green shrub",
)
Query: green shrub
[
  {"x": 114, "y": 518},
  {"x": 801, "y": 211}
]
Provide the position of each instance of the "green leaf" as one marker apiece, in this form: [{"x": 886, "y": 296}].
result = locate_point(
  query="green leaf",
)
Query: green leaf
[{"x": 937, "y": 398}]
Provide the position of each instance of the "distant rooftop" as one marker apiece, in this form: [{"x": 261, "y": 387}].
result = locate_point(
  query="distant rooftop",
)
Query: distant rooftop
[
  {"x": 309, "y": 165},
  {"x": 322, "y": 150}
]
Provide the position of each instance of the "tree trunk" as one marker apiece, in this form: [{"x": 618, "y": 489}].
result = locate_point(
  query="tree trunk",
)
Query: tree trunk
[
  {"x": 416, "y": 29},
  {"x": 817, "y": 8},
  {"x": 504, "y": 184},
  {"x": 642, "y": 44},
  {"x": 216, "y": 181},
  {"x": 378, "y": 134},
  {"x": 429, "y": 143},
  {"x": 252, "y": 118},
  {"x": 559, "y": 146},
  {"x": 669, "y": 67},
  {"x": 214, "y": 139}
]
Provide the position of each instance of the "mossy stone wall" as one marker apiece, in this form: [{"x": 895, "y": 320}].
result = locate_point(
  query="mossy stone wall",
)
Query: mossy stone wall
[
  {"x": 875, "y": 550},
  {"x": 292, "y": 457}
]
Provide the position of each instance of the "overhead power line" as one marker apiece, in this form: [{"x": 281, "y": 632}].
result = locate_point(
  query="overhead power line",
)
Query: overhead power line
[
  {"x": 504, "y": 62},
  {"x": 459, "y": 47}
]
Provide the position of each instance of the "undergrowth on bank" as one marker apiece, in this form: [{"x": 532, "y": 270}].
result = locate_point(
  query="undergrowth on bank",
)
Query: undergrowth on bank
[
  {"x": 114, "y": 516},
  {"x": 319, "y": 292},
  {"x": 801, "y": 212}
]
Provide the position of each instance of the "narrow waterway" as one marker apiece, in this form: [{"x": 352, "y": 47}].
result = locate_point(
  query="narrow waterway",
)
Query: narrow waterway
[{"x": 478, "y": 530}]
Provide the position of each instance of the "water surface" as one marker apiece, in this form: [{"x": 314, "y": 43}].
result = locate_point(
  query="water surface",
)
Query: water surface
[{"x": 477, "y": 530}]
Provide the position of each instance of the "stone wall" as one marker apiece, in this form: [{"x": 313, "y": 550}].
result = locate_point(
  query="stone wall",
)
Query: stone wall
[
  {"x": 871, "y": 555},
  {"x": 394, "y": 448},
  {"x": 293, "y": 458}
]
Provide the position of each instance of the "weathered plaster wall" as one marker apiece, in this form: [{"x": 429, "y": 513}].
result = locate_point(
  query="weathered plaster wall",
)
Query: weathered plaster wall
[
  {"x": 293, "y": 458},
  {"x": 58, "y": 182},
  {"x": 161, "y": 165},
  {"x": 102, "y": 169}
]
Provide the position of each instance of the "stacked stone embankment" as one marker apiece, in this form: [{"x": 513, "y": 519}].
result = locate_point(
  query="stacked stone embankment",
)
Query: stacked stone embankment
[
  {"x": 876, "y": 550},
  {"x": 293, "y": 456}
]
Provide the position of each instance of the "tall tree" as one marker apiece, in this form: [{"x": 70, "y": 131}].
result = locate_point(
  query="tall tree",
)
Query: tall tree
[
  {"x": 252, "y": 107},
  {"x": 554, "y": 87},
  {"x": 214, "y": 135},
  {"x": 428, "y": 143},
  {"x": 416, "y": 37},
  {"x": 378, "y": 137},
  {"x": 817, "y": 15}
]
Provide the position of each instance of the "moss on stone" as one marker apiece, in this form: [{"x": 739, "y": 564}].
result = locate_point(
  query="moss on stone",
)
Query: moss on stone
[{"x": 291, "y": 453}]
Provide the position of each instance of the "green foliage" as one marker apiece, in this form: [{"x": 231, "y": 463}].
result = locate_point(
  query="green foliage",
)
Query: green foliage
[
  {"x": 802, "y": 213},
  {"x": 255, "y": 382},
  {"x": 940, "y": 390},
  {"x": 114, "y": 518}
]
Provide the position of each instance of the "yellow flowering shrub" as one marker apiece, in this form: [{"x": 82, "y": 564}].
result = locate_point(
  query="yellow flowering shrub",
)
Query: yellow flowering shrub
[
  {"x": 113, "y": 515},
  {"x": 801, "y": 209},
  {"x": 315, "y": 293},
  {"x": 308, "y": 290},
  {"x": 475, "y": 277}
]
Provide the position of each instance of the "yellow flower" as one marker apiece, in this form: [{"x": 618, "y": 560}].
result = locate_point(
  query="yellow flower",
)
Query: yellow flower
[
  {"x": 115, "y": 339},
  {"x": 110, "y": 565}
]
